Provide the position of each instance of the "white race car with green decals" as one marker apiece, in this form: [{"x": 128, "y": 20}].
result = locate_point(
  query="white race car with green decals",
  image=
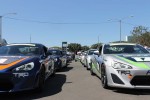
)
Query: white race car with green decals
[{"x": 123, "y": 65}]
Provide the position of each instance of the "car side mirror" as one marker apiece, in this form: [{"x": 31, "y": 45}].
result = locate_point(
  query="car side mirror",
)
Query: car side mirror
[
  {"x": 96, "y": 53},
  {"x": 43, "y": 56}
]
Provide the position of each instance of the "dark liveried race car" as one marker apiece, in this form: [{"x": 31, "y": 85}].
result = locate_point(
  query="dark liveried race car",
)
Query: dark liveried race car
[
  {"x": 59, "y": 57},
  {"x": 24, "y": 67}
]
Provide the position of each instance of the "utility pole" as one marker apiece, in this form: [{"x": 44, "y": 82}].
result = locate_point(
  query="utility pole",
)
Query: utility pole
[
  {"x": 30, "y": 38},
  {"x": 0, "y": 29},
  {"x": 120, "y": 24},
  {"x": 98, "y": 39},
  {"x": 120, "y": 30}
]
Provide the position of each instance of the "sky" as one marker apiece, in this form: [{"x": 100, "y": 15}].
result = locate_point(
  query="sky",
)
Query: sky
[{"x": 52, "y": 22}]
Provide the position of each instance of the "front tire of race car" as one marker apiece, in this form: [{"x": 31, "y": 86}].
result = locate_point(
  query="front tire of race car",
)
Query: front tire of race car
[
  {"x": 41, "y": 80},
  {"x": 104, "y": 77}
]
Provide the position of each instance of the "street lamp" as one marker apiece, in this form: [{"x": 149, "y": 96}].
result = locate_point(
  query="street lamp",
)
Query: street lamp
[
  {"x": 1, "y": 23},
  {"x": 120, "y": 24}
]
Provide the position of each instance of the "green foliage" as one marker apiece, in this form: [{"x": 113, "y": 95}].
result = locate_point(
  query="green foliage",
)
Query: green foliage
[
  {"x": 140, "y": 35},
  {"x": 74, "y": 47},
  {"x": 95, "y": 46},
  {"x": 85, "y": 48}
]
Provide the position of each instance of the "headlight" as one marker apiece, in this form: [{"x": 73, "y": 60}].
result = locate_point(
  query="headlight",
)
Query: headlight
[
  {"x": 118, "y": 65},
  {"x": 56, "y": 59},
  {"x": 25, "y": 67}
]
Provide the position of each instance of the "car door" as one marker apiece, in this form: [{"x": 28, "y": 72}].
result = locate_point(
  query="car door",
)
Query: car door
[
  {"x": 47, "y": 62},
  {"x": 64, "y": 58}
]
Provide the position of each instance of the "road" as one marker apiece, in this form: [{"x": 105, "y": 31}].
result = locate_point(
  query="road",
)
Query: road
[{"x": 76, "y": 83}]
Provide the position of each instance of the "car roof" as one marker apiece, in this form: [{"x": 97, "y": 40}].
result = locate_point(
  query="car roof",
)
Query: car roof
[
  {"x": 29, "y": 44},
  {"x": 121, "y": 44}
]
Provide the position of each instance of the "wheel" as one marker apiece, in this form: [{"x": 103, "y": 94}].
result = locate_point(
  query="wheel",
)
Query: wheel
[
  {"x": 91, "y": 69},
  {"x": 53, "y": 69},
  {"x": 41, "y": 80},
  {"x": 65, "y": 64},
  {"x": 104, "y": 77}
]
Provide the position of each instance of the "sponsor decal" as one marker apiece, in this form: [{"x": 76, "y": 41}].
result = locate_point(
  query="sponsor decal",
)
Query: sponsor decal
[
  {"x": 2, "y": 60},
  {"x": 134, "y": 63},
  {"x": 19, "y": 75},
  {"x": 10, "y": 64},
  {"x": 125, "y": 72},
  {"x": 141, "y": 59}
]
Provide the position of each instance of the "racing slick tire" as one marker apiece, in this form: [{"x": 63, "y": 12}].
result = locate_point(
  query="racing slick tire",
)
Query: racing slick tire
[{"x": 104, "y": 77}]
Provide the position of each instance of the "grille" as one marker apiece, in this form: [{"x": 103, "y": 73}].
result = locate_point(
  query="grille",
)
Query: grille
[
  {"x": 5, "y": 82},
  {"x": 141, "y": 81},
  {"x": 5, "y": 85}
]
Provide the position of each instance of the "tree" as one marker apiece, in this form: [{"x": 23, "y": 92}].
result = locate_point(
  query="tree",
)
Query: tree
[
  {"x": 74, "y": 47},
  {"x": 137, "y": 33},
  {"x": 95, "y": 46},
  {"x": 140, "y": 35},
  {"x": 85, "y": 48}
]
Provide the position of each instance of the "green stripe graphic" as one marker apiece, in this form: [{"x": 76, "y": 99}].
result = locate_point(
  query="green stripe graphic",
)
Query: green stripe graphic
[{"x": 137, "y": 64}]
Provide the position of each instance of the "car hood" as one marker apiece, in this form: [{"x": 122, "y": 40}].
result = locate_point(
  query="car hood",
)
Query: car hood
[
  {"x": 56, "y": 56},
  {"x": 8, "y": 61},
  {"x": 136, "y": 60}
]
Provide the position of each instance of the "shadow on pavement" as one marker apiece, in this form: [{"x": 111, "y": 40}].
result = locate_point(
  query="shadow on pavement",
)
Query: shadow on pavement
[
  {"x": 66, "y": 69},
  {"x": 132, "y": 91},
  {"x": 52, "y": 86}
]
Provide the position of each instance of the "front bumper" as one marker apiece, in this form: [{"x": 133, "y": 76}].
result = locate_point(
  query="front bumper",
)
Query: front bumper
[
  {"x": 18, "y": 81},
  {"x": 128, "y": 78}
]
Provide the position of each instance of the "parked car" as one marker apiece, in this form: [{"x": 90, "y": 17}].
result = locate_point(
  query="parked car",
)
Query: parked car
[
  {"x": 123, "y": 65},
  {"x": 83, "y": 58},
  {"x": 24, "y": 67},
  {"x": 88, "y": 58},
  {"x": 59, "y": 57}
]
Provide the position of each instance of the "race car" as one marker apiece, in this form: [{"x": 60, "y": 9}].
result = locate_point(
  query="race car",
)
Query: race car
[
  {"x": 88, "y": 58},
  {"x": 59, "y": 58},
  {"x": 24, "y": 67},
  {"x": 123, "y": 65}
]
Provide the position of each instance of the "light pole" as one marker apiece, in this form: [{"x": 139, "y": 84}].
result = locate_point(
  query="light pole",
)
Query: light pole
[
  {"x": 1, "y": 24},
  {"x": 120, "y": 24}
]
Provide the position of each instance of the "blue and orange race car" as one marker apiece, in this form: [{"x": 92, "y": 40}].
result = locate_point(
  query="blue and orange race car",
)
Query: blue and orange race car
[{"x": 24, "y": 67}]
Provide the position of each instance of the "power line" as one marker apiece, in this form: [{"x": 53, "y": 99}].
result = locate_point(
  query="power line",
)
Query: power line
[{"x": 48, "y": 22}]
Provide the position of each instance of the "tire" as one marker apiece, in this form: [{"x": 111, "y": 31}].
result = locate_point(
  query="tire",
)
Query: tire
[
  {"x": 65, "y": 65},
  {"x": 41, "y": 81},
  {"x": 54, "y": 70},
  {"x": 104, "y": 77},
  {"x": 91, "y": 70}
]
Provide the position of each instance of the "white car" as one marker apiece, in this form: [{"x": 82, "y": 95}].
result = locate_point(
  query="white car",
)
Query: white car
[
  {"x": 88, "y": 58},
  {"x": 123, "y": 65}
]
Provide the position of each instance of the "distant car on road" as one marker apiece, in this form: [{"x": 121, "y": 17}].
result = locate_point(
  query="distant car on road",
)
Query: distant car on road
[
  {"x": 123, "y": 65},
  {"x": 59, "y": 57},
  {"x": 24, "y": 67},
  {"x": 88, "y": 58}
]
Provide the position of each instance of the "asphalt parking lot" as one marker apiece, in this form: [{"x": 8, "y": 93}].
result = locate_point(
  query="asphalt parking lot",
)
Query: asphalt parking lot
[{"x": 76, "y": 83}]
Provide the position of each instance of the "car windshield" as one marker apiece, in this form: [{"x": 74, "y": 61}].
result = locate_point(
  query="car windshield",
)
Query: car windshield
[
  {"x": 23, "y": 50},
  {"x": 127, "y": 49},
  {"x": 54, "y": 52},
  {"x": 91, "y": 52}
]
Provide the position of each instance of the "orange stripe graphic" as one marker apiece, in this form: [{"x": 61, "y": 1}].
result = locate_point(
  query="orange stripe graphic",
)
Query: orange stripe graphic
[{"x": 11, "y": 64}]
